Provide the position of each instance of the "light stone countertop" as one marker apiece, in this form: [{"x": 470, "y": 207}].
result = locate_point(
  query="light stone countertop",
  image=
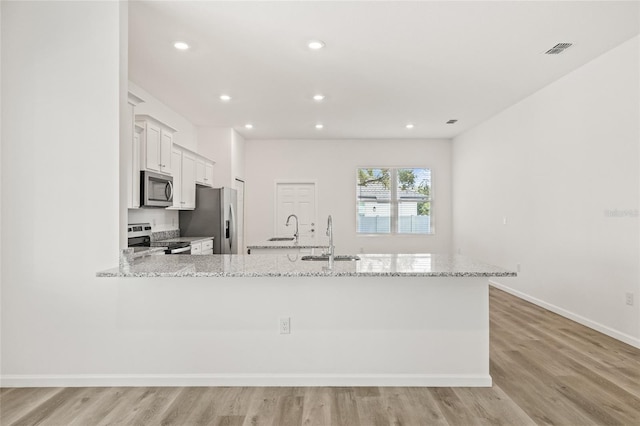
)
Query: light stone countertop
[
  {"x": 269, "y": 265},
  {"x": 303, "y": 243},
  {"x": 180, "y": 240},
  {"x": 147, "y": 251}
]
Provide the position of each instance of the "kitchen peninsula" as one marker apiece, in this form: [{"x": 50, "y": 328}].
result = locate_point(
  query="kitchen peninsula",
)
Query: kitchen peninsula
[{"x": 384, "y": 320}]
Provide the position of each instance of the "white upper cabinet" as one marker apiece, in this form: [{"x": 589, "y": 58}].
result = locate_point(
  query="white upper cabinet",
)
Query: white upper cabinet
[
  {"x": 156, "y": 144},
  {"x": 204, "y": 171},
  {"x": 188, "y": 180},
  {"x": 135, "y": 186},
  {"x": 132, "y": 158},
  {"x": 184, "y": 179}
]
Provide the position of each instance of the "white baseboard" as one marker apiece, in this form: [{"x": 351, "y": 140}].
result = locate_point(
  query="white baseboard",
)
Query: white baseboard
[
  {"x": 298, "y": 380},
  {"x": 623, "y": 337}
]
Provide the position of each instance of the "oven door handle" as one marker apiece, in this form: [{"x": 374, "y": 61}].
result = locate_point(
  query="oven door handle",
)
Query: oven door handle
[{"x": 181, "y": 250}]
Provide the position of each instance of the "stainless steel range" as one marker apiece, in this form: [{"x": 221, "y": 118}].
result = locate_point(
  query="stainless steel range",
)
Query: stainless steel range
[
  {"x": 139, "y": 238},
  {"x": 139, "y": 235}
]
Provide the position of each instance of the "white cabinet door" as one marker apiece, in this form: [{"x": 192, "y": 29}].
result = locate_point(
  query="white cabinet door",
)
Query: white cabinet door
[
  {"x": 156, "y": 144},
  {"x": 152, "y": 135},
  {"x": 135, "y": 168},
  {"x": 176, "y": 161},
  {"x": 188, "y": 181},
  {"x": 207, "y": 245},
  {"x": 204, "y": 171},
  {"x": 200, "y": 171},
  {"x": 166, "y": 143},
  {"x": 208, "y": 173},
  {"x": 132, "y": 159},
  {"x": 196, "y": 248}
]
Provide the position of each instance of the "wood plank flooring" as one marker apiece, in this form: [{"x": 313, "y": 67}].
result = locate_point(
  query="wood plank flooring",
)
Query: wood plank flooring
[{"x": 546, "y": 369}]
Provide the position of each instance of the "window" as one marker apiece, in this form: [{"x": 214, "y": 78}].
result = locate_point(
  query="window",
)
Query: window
[{"x": 393, "y": 201}]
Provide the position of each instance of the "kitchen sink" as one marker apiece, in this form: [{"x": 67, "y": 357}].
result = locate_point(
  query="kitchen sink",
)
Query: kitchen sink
[
  {"x": 281, "y": 239},
  {"x": 339, "y": 258}
]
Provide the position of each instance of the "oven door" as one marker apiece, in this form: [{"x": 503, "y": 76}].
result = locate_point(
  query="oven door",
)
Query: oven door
[{"x": 179, "y": 250}]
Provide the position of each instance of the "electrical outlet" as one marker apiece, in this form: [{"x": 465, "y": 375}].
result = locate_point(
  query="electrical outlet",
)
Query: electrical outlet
[
  {"x": 629, "y": 299},
  {"x": 518, "y": 267},
  {"x": 504, "y": 220},
  {"x": 285, "y": 325}
]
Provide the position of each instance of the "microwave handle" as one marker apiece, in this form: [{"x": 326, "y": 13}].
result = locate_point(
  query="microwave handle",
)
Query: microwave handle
[{"x": 170, "y": 187}]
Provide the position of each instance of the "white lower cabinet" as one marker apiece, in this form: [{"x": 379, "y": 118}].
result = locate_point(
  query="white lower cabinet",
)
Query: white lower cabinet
[
  {"x": 202, "y": 247},
  {"x": 207, "y": 247}
]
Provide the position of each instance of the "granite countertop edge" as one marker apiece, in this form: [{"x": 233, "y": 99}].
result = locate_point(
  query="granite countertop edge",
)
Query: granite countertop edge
[
  {"x": 289, "y": 246},
  {"x": 270, "y": 265},
  {"x": 150, "y": 274},
  {"x": 302, "y": 243},
  {"x": 181, "y": 240}
]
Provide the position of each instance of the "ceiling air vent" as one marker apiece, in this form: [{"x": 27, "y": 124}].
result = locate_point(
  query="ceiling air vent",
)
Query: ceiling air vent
[
  {"x": 558, "y": 48},
  {"x": 452, "y": 121}
]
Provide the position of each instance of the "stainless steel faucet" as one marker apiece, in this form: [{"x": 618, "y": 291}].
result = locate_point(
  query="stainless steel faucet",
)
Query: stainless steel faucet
[
  {"x": 296, "y": 234},
  {"x": 330, "y": 235}
]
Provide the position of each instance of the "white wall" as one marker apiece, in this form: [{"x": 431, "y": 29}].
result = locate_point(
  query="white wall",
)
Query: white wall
[
  {"x": 555, "y": 165},
  {"x": 333, "y": 164},
  {"x": 60, "y": 191},
  {"x": 186, "y": 135}
]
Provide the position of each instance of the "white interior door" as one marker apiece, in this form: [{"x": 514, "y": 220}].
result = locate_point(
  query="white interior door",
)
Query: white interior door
[
  {"x": 239, "y": 186},
  {"x": 300, "y": 199}
]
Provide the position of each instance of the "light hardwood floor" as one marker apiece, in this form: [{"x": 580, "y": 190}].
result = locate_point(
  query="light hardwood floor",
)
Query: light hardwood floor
[{"x": 546, "y": 370}]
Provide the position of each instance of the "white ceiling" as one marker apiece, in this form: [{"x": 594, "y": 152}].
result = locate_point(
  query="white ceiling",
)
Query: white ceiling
[{"x": 385, "y": 64}]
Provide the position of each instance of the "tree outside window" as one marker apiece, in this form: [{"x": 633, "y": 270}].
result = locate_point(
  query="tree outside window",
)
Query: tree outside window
[{"x": 394, "y": 201}]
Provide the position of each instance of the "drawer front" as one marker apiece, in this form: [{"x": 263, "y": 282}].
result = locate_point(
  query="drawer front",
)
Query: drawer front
[
  {"x": 196, "y": 248},
  {"x": 206, "y": 245}
]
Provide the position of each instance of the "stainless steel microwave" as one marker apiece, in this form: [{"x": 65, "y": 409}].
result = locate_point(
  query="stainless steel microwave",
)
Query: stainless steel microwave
[{"x": 156, "y": 190}]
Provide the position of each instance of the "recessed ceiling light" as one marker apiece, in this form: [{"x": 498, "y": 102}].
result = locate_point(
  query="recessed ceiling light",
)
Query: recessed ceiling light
[
  {"x": 225, "y": 98},
  {"x": 409, "y": 126},
  {"x": 180, "y": 45},
  {"x": 315, "y": 44},
  {"x": 318, "y": 97},
  {"x": 319, "y": 126},
  {"x": 248, "y": 126}
]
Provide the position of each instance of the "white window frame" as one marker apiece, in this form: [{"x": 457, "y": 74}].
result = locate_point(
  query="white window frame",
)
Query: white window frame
[{"x": 395, "y": 203}]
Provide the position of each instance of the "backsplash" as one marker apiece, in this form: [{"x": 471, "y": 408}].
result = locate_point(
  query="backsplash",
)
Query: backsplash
[
  {"x": 160, "y": 219},
  {"x": 164, "y": 235}
]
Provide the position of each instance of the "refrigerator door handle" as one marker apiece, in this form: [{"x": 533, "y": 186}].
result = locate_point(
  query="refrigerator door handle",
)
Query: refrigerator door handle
[{"x": 232, "y": 226}]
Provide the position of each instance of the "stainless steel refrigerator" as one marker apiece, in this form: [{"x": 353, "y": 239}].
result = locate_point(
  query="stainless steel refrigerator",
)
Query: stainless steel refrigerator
[{"x": 214, "y": 215}]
